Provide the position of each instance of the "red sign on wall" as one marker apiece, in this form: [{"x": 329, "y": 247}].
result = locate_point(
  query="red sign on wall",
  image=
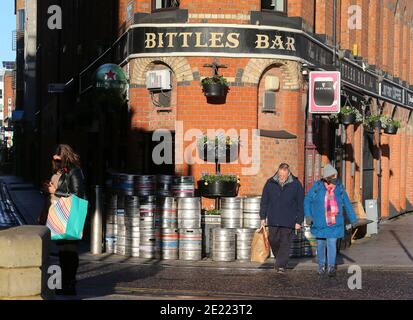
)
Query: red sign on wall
[{"x": 325, "y": 92}]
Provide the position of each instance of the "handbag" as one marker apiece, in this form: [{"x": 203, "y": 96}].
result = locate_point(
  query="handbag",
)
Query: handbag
[{"x": 66, "y": 218}]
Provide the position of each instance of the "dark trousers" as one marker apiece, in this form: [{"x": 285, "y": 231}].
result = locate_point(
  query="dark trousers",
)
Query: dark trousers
[
  {"x": 69, "y": 261},
  {"x": 280, "y": 241}
]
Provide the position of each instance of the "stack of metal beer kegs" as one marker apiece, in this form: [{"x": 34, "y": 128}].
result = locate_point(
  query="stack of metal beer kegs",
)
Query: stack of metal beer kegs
[
  {"x": 239, "y": 221},
  {"x": 189, "y": 219},
  {"x": 142, "y": 217}
]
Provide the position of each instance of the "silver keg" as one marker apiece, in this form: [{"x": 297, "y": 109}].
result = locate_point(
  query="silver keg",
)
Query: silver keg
[
  {"x": 244, "y": 239},
  {"x": 169, "y": 244},
  {"x": 123, "y": 250},
  {"x": 147, "y": 244},
  {"x": 310, "y": 243},
  {"x": 166, "y": 213},
  {"x": 147, "y": 223},
  {"x": 183, "y": 187},
  {"x": 145, "y": 185},
  {"x": 110, "y": 243},
  {"x": 131, "y": 222},
  {"x": 190, "y": 244},
  {"x": 147, "y": 206},
  {"x": 297, "y": 245},
  {"x": 223, "y": 244},
  {"x": 208, "y": 222},
  {"x": 164, "y": 185},
  {"x": 131, "y": 206},
  {"x": 231, "y": 213},
  {"x": 251, "y": 212},
  {"x": 189, "y": 213}
]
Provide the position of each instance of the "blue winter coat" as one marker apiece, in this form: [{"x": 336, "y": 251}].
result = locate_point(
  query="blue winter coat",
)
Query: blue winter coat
[
  {"x": 314, "y": 209},
  {"x": 283, "y": 206}
]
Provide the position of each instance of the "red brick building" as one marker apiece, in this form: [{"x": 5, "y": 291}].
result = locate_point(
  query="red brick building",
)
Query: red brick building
[
  {"x": 262, "y": 44},
  {"x": 377, "y": 33}
]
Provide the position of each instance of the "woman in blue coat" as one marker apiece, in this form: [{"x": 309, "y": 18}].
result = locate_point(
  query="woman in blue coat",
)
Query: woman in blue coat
[{"x": 324, "y": 205}]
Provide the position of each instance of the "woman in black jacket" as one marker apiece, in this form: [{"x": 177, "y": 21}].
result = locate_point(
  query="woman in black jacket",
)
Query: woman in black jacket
[{"x": 68, "y": 179}]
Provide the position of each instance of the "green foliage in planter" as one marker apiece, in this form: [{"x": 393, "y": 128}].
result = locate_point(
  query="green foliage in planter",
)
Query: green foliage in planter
[
  {"x": 346, "y": 110},
  {"x": 217, "y": 178},
  {"x": 215, "y": 79},
  {"x": 214, "y": 212},
  {"x": 372, "y": 118},
  {"x": 388, "y": 121}
]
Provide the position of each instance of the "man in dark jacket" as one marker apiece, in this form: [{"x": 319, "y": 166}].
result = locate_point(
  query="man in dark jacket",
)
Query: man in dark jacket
[{"x": 282, "y": 208}]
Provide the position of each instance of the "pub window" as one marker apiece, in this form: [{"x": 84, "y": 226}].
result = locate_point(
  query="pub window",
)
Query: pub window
[
  {"x": 279, "y": 6},
  {"x": 164, "y": 4}
]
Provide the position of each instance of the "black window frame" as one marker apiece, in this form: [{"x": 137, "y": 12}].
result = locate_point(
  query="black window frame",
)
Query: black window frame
[
  {"x": 284, "y": 13},
  {"x": 154, "y": 9}
]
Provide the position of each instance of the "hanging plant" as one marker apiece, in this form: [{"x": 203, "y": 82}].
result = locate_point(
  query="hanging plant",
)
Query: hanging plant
[
  {"x": 348, "y": 115},
  {"x": 373, "y": 122},
  {"x": 215, "y": 86},
  {"x": 390, "y": 125}
]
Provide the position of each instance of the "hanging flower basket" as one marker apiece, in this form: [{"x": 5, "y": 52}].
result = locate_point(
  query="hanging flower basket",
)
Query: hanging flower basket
[
  {"x": 216, "y": 86},
  {"x": 348, "y": 115},
  {"x": 348, "y": 118},
  {"x": 390, "y": 125},
  {"x": 373, "y": 122},
  {"x": 391, "y": 129}
]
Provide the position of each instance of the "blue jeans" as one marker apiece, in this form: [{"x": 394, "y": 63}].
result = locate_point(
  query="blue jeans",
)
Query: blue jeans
[{"x": 331, "y": 246}]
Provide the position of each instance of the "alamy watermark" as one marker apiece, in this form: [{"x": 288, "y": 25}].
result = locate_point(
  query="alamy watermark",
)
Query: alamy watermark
[
  {"x": 190, "y": 154},
  {"x": 55, "y": 20},
  {"x": 55, "y": 280},
  {"x": 355, "y": 280}
]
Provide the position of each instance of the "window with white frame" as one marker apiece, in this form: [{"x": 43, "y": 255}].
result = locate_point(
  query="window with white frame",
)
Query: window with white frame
[
  {"x": 279, "y": 6},
  {"x": 164, "y": 4}
]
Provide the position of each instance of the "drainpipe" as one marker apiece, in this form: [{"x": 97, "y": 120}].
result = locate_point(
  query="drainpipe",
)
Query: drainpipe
[
  {"x": 363, "y": 107},
  {"x": 334, "y": 31}
]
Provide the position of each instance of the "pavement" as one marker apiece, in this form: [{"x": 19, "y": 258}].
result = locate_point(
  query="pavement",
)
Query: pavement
[{"x": 386, "y": 261}]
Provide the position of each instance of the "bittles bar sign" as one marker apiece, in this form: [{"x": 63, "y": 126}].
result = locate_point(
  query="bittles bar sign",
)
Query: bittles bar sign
[
  {"x": 195, "y": 40},
  {"x": 325, "y": 92}
]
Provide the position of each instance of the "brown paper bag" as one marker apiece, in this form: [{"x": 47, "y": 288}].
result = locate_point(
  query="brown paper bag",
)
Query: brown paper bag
[{"x": 260, "y": 248}]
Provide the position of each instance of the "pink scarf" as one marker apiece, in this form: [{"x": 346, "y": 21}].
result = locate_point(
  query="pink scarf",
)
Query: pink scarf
[{"x": 330, "y": 205}]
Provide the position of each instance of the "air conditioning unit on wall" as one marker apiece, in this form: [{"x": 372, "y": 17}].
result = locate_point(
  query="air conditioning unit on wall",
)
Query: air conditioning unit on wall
[
  {"x": 269, "y": 100},
  {"x": 158, "y": 80}
]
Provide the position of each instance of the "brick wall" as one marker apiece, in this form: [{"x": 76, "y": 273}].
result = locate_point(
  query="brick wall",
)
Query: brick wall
[
  {"x": 377, "y": 41},
  {"x": 8, "y": 93}
]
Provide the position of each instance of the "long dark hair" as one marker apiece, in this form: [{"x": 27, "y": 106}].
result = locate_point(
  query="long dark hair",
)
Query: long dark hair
[{"x": 70, "y": 159}]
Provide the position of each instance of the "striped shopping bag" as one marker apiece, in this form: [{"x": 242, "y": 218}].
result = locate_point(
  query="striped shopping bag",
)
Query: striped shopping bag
[{"x": 66, "y": 218}]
